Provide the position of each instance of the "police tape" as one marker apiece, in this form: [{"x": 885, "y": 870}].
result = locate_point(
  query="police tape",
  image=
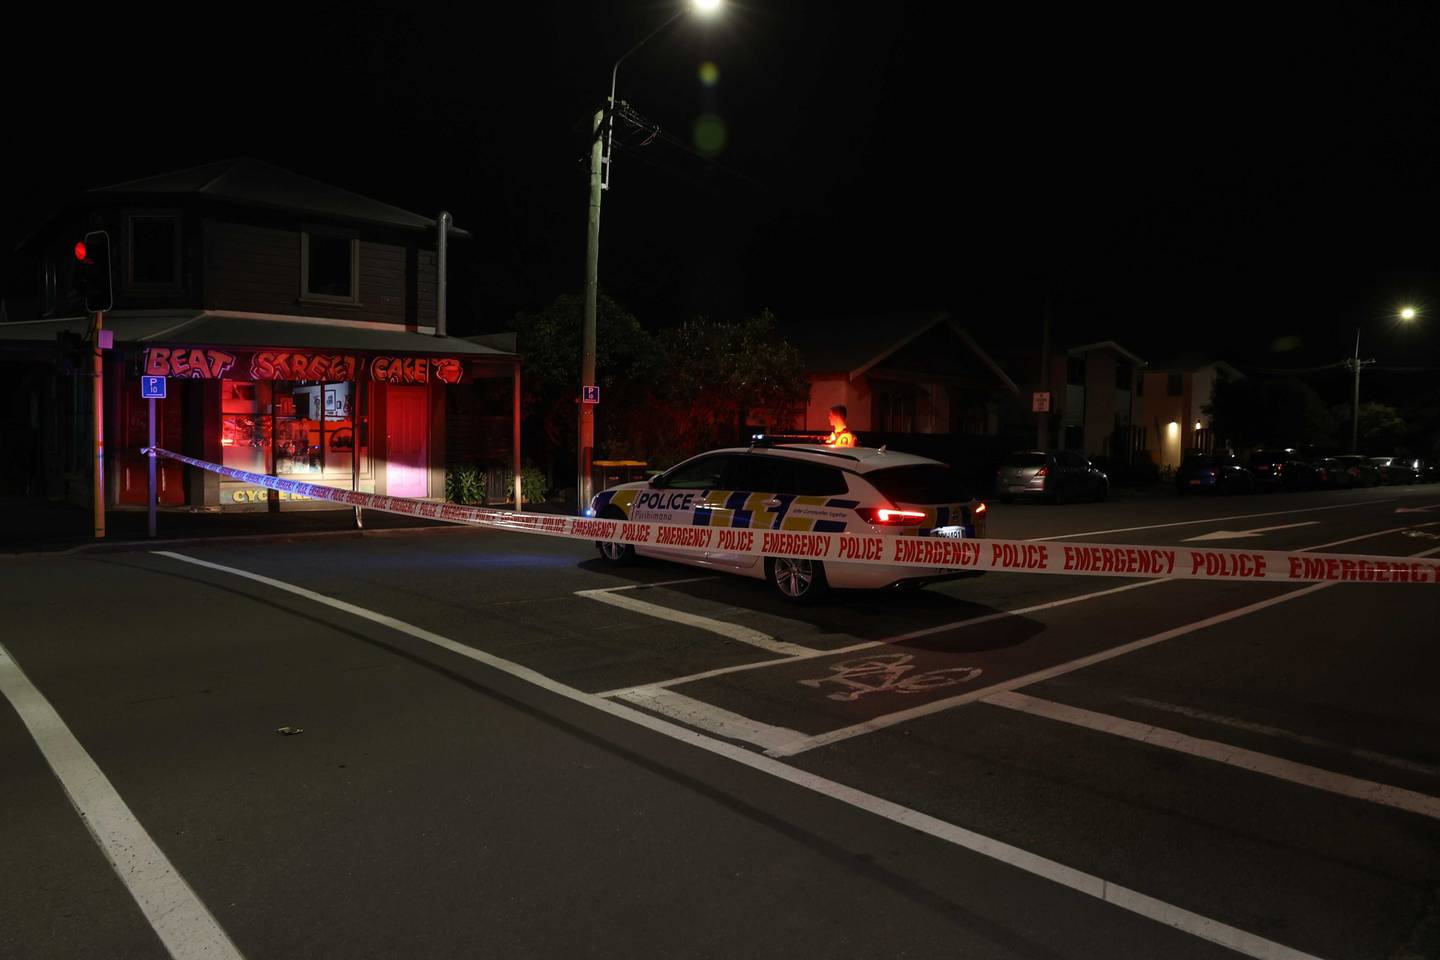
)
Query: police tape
[{"x": 938, "y": 556}]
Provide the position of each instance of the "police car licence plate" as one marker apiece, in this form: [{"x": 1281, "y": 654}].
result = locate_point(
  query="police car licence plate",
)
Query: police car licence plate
[{"x": 953, "y": 533}]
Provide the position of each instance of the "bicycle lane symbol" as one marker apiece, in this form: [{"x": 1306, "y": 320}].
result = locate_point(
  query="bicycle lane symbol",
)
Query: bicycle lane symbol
[{"x": 888, "y": 673}]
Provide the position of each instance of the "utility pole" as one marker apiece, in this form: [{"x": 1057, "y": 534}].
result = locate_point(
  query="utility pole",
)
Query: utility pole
[
  {"x": 586, "y": 432},
  {"x": 98, "y": 387},
  {"x": 1042, "y": 433},
  {"x": 1355, "y": 364}
]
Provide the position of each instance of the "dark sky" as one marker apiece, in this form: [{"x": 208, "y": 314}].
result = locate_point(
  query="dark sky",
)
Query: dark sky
[{"x": 1179, "y": 178}]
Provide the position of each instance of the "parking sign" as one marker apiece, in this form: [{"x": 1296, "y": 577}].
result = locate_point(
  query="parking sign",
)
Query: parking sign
[
  {"x": 152, "y": 388},
  {"x": 589, "y": 394}
]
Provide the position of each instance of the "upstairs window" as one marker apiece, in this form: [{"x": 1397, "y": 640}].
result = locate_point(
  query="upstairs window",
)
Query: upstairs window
[
  {"x": 153, "y": 242},
  {"x": 1175, "y": 385},
  {"x": 329, "y": 265}
]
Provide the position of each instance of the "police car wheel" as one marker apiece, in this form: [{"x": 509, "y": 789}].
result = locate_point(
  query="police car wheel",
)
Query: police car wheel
[
  {"x": 618, "y": 554},
  {"x": 796, "y": 579}
]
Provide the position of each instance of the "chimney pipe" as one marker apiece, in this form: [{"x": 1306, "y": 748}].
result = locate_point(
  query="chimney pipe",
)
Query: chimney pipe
[{"x": 442, "y": 227}]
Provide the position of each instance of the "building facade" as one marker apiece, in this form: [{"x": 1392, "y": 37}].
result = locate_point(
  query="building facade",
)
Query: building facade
[{"x": 294, "y": 324}]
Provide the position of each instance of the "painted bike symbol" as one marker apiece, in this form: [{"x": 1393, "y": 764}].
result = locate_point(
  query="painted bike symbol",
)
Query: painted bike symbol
[{"x": 889, "y": 673}]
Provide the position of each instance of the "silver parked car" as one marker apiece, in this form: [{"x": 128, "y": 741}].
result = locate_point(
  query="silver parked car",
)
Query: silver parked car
[{"x": 1056, "y": 476}]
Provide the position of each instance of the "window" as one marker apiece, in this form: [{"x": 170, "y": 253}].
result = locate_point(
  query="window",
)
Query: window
[
  {"x": 1075, "y": 371},
  {"x": 815, "y": 480},
  {"x": 329, "y": 264},
  {"x": 294, "y": 427},
  {"x": 923, "y": 483},
  {"x": 153, "y": 242},
  {"x": 1174, "y": 384},
  {"x": 895, "y": 413},
  {"x": 702, "y": 473}
]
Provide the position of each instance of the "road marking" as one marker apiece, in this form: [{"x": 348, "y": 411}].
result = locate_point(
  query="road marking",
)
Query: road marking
[
  {"x": 658, "y": 583},
  {"x": 1188, "y": 523},
  {"x": 1424, "y": 509},
  {"x": 888, "y": 641},
  {"x": 1301, "y": 773},
  {"x": 707, "y": 717},
  {"x": 1283, "y": 734},
  {"x": 184, "y": 925},
  {"x": 887, "y": 673},
  {"x": 1240, "y": 534},
  {"x": 725, "y": 629},
  {"x": 925, "y": 709},
  {"x": 1089, "y": 884}
]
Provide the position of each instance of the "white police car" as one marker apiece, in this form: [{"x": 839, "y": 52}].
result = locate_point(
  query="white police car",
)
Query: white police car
[{"x": 809, "y": 488}]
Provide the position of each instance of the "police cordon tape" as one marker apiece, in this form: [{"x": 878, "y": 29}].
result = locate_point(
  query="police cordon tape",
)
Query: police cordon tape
[{"x": 944, "y": 555}]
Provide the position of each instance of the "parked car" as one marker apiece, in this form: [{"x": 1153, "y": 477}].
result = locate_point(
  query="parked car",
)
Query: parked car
[
  {"x": 1057, "y": 475},
  {"x": 800, "y": 488},
  {"x": 1331, "y": 474},
  {"x": 1281, "y": 468},
  {"x": 1214, "y": 473},
  {"x": 1398, "y": 469},
  {"x": 1363, "y": 473}
]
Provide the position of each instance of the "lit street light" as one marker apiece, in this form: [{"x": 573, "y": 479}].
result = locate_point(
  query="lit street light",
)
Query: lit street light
[
  {"x": 1355, "y": 363},
  {"x": 600, "y": 160}
]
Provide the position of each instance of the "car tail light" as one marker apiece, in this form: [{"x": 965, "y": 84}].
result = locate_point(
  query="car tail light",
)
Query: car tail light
[
  {"x": 1043, "y": 471},
  {"x": 891, "y": 517}
]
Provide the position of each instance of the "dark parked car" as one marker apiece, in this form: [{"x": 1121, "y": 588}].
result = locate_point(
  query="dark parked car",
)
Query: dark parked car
[
  {"x": 1362, "y": 472},
  {"x": 1331, "y": 474},
  {"x": 1398, "y": 469},
  {"x": 1213, "y": 472},
  {"x": 1281, "y": 468},
  {"x": 1056, "y": 476}
]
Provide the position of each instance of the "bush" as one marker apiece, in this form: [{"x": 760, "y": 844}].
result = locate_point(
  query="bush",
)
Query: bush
[
  {"x": 465, "y": 484},
  {"x": 533, "y": 486}
]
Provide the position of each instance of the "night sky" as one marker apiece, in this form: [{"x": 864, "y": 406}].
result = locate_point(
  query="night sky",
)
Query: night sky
[{"x": 1222, "y": 180}]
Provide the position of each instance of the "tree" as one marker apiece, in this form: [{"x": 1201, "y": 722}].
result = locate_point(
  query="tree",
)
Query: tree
[
  {"x": 1255, "y": 411},
  {"x": 1382, "y": 430}
]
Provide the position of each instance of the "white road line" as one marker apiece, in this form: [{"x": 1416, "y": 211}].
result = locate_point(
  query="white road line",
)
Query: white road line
[
  {"x": 184, "y": 925},
  {"x": 1187, "y": 523},
  {"x": 1279, "y": 733},
  {"x": 658, "y": 583},
  {"x": 936, "y": 706},
  {"x": 1303, "y": 774},
  {"x": 725, "y": 629},
  {"x": 925, "y": 709},
  {"x": 869, "y": 644},
  {"x": 1239, "y": 534},
  {"x": 704, "y": 716},
  {"x": 1086, "y": 883}
]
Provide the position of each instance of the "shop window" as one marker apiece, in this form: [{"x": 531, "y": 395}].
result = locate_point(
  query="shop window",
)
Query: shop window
[
  {"x": 153, "y": 242},
  {"x": 295, "y": 428},
  {"x": 245, "y": 425},
  {"x": 329, "y": 265}
]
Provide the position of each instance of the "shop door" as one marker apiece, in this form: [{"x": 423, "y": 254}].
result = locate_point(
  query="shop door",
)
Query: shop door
[
  {"x": 406, "y": 426},
  {"x": 134, "y": 466}
]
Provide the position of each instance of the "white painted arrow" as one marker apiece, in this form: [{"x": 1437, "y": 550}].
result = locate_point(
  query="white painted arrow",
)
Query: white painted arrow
[
  {"x": 1239, "y": 534},
  {"x": 1425, "y": 509}
]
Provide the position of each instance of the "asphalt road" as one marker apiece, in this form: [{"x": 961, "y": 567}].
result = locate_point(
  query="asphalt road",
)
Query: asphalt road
[{"x": 510, "y": 750}]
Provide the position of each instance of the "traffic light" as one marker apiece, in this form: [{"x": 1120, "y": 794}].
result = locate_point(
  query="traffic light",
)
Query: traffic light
[{"x": 92, "y": 271}]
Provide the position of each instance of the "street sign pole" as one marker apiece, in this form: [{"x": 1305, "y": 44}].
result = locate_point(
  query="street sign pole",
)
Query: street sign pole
[{"x": 150, "y": 500}]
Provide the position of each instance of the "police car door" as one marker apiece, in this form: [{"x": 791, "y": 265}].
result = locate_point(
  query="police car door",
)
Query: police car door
[
  {"x": 674, "y": 496},
  {"x": 747, "y": 499}
]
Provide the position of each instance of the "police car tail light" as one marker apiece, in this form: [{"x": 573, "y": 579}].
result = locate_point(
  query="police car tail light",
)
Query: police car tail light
[{"x": 891, "y": 517}]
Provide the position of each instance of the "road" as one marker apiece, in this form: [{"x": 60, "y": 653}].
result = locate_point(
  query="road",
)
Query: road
[{"x": 506, "y": 749}]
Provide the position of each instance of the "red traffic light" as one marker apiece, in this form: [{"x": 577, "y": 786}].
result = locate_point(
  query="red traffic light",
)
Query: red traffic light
[{"x": 80, "y": 250}]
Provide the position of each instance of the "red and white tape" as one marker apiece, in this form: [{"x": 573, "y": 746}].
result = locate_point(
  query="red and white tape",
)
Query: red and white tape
[{"x": 941, "y": 554}]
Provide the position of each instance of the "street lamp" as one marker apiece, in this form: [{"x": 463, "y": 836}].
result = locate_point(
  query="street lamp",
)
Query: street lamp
[
  {"x": 1406, "y": 314},
  {"x": 603, "y": 132}
]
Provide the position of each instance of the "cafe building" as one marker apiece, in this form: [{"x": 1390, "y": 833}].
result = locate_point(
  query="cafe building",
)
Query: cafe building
[{"x": 298, "y": 330}]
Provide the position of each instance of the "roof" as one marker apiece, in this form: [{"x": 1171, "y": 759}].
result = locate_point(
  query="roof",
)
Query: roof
[
  {"x": 230, "y": 329},
  {"x": 255, "y": 183},
  {"x": 1106, "y": 345},
  {"x": 853, "y": 345},
  {"x": 859, "y": 459}
]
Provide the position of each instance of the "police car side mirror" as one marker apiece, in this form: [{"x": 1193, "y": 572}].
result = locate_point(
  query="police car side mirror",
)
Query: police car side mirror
[{"x": 658, "y": 482}]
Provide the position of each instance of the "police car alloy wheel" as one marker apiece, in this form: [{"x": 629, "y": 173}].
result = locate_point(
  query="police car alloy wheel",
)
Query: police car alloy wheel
[
  {"x": 796, "y": 579},
  {"x": 611, "y": 552}
]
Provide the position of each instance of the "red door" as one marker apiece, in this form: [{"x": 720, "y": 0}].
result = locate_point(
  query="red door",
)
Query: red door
[
  {"x": 134, "y": 466},
  {"x": 406, "y": 428}
]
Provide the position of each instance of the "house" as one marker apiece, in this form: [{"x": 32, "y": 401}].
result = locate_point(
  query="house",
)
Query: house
[
  {"x": 917, "y": 372},
  {"x": 297, "y": 326},
  {"x": 1092, "y": 394},
  {"x": 1169, "y": 407}
]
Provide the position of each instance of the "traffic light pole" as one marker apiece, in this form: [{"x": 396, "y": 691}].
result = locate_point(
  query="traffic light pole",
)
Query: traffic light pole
[{"x": 98, "y": 386}]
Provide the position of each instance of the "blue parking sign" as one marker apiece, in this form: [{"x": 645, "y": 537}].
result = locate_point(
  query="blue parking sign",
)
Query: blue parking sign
[
  {"x": 152, "y": 388},
  {"x": 589, "y": 394}
]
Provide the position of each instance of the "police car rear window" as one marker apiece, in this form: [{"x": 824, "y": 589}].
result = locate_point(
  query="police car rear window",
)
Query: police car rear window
[{"x": 921, "y": 483}]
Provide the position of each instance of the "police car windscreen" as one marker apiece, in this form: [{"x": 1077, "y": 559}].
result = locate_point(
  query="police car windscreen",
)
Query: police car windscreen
[{"x": 921, "y": 483}]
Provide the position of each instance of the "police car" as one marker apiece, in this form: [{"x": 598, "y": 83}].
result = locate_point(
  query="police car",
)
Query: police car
[{"x": 810, "y": 488}]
